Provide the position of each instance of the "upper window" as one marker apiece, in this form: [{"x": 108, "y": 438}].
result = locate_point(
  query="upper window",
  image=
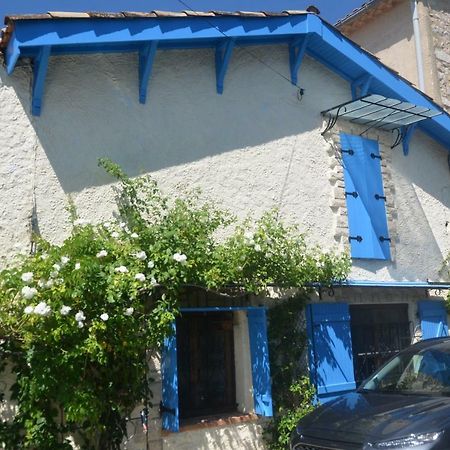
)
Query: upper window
[{"x": 367, "y": 222}]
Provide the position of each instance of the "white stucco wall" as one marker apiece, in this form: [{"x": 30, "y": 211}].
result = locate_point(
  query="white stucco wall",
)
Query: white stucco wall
[{"x": 253, "y": 148}]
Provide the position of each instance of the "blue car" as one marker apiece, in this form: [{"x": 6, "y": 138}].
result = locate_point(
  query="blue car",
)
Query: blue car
[{"x": 404, "y": 405}]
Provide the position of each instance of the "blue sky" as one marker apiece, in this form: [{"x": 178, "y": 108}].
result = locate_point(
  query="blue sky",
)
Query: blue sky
[{"x": 331, "y": 10}]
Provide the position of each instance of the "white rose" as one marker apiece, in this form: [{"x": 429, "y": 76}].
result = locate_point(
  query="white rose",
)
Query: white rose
[
  {"x": 121, "y": 269},
  {"x": 140, "y": 277},
  {"x": 150, "y": 264},
  {"x": 57, "y": 267},
  {"x": 104, "y": 317},
  {"x": 64, "y": 260},
  {"x": 27, "y": 277},
  {"x": 141, "y": 255},
  {"x": 115, "y": 234},
  {"x": 42, "y": 309},
  {"x": 102, "y": 254},
  {"x": 65, "y": 310},
  {"x": 80, "y": 324},
  {"x": 134, "y": 235},
  {"x": 180, "y": 257},
  {"x": 79, "y": 316},
  {"x": 129, "y": 311},
  {"x": 77, "y": 266},
  {"x": 28, "y": 292},
  {"x": 28, "y": 309}
]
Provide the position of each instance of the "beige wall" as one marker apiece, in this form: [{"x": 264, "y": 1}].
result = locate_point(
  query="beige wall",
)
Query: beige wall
[{"x": 390, "y": 37}]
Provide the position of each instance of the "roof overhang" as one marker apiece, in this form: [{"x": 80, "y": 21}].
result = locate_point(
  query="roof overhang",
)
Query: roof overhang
[{"x": 40, "y": 37}]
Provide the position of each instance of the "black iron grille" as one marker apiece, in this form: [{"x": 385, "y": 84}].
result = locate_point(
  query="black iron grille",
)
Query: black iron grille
[{"x": 309, "y": 447}]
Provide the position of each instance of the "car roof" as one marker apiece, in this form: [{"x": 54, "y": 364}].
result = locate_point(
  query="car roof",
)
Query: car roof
[{"x": 430, "y": 343}]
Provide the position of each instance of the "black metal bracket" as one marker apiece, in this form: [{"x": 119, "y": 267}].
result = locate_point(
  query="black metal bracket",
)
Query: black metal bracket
[
  {"x": 373, "y": 156},
  {"x": 350, "y": 152},
  {"x": 356, "y": 238},
  {"x": 353, "y": 194},
  {"x": 383, "y": 239},
  {"x": 380, "y": 197},
  {"x": 333, "y": 119},
  {"x": 164, "y": 409}
]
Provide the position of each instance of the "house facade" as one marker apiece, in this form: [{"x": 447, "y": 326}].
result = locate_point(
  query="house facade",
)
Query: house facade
[
  {"x": 259, "y": 111},
  {"x": 408, "y": 36}
]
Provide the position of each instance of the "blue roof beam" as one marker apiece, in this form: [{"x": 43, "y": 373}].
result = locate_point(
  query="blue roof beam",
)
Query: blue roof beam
[
  {"x": 146, "y": 57},
  {"x": 297, "y": 51},
  {"x": 362, "y": 84},
  {"x": 223, "y": 56},
  {"x": 40, "y": 66}
]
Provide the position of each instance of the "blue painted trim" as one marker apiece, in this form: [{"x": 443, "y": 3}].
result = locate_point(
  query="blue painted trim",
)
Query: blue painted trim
[
  {"x": 12, "y": 55},
  {"x": 297, "y": 52},
  {"x": 146, "y": 57},
  {"x": 39, "y": 73},
  {"x": 407, "y": 138},
  {"x": 327, "y": 64},
  {"x": 388, "y": 284},
  {"x": 223, "y": 308},
  {"x": 363, "y": 83},
  {"x": 223, "y": 56}
]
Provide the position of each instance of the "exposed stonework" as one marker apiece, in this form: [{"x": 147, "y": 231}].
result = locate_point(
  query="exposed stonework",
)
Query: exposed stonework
[{"x": 440, "y": 24}]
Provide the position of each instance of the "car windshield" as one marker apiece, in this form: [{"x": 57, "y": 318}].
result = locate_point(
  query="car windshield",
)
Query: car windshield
[{"x": 424, "y": 372}]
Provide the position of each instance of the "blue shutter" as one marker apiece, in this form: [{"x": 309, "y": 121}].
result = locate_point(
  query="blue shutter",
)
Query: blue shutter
[
  {"x": 367, "y": 222},
  {"x": 170, "y": 419},
  {"x": 433, "y": 317},
  {"x": 259, "y": 351},
  {"x": 330, "y": 349}
]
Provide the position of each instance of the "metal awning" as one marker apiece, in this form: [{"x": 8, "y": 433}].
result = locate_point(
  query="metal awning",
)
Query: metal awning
[{"x": 376, "y": 111}]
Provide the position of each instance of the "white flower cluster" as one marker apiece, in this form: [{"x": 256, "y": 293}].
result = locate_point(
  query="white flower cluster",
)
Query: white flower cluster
[
  {"x": 180, "y": 258},
  {"x": 41, "y": 309},
  {"x": 27, "y": 277},
  {"x": 102, "y": 254},
  {"x": 249, "y": 238},
  {"x": 80, "y": 318},
  {"x": 121, "y": 269},
  {"x": 141, "y": 255}
]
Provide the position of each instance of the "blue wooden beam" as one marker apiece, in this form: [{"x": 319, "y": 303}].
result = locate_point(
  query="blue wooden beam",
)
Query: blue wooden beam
[
  {"x": 39, "y": 73},
  {"x": 407, "y": 138},
  {"x": 223, "y": 56},
  {"x": 363, "y": 83},
  {"x": 296, "y": 53},
  {"x": 146, "y": 57}
]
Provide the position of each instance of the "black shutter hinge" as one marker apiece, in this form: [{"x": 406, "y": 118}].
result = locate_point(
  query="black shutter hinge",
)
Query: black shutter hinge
[
  {"x": 164, "y": 409},
  {"x": 373, "y": 156},
  {"x": 353, "y": 194},
  {"x": 350, "y": 152},
  {"x": 383, "y": 239},
  {"x": 380, "y": 197},
  {"x": 355, "y": 238}
]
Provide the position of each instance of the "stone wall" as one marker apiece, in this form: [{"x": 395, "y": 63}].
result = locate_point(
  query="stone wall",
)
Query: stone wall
[{"x": 440, "y": 24}]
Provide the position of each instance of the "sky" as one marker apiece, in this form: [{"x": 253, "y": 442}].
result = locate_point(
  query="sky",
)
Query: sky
[{"x": 331, "y": 10}]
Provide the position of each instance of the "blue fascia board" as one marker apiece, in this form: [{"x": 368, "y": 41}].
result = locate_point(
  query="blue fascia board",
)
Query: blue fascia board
[
  {"x": 36, "y": 33},
  {"x": 393, "y": 284}
]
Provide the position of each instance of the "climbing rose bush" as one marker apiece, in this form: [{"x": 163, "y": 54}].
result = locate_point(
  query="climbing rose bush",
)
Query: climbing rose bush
[{"x": 78, "y": 320}]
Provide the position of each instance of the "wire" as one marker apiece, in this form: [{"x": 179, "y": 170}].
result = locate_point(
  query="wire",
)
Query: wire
[{"x": 300, "y": 90}]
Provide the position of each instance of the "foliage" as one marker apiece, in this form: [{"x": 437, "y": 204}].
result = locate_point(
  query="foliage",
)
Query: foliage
[
  {"x": 78, "y": 320},
  {"x": 445, "y": 273},
  {"x": 291, "y": 391}
]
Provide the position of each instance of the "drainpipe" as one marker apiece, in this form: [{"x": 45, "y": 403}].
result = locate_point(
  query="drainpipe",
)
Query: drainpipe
[{"x": 418, "y": 44}]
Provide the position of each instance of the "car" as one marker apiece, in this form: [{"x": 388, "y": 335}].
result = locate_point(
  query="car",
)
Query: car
[{"x": 403, "y": 405}]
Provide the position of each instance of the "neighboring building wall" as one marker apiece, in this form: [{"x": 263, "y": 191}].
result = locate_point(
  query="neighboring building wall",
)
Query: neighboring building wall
[
  {"x": 440, "y": 24},
  {"x": 390, "y": 37}
]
